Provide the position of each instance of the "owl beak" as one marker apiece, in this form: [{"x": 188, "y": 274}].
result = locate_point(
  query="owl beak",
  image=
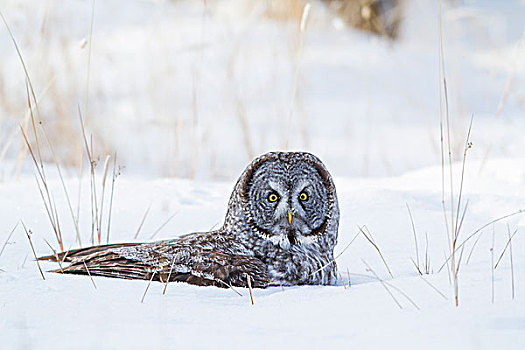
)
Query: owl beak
[{"x": 290, "y": 217}]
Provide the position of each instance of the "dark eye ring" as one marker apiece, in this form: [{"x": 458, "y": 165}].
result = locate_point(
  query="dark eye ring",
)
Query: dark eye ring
[
  {"x": 273, "y": 197},
  {"x": 303, "y": 196}
]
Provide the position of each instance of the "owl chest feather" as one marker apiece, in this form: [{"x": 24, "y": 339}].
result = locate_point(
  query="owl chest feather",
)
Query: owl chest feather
[{"x": 300, "y": 264}]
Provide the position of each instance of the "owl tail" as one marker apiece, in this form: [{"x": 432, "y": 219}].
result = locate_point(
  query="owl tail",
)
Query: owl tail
[
  {"x": 100, "y": 261},
  {"x": 75, "y": 254}
]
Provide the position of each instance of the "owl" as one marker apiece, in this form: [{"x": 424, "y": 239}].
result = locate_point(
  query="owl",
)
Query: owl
[{"x": 280, "y": 229}]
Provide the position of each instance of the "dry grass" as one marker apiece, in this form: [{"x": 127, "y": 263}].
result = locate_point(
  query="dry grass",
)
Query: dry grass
[
  {"x": 36, "y": 155},
  {"x": 61, "y": 89},
  {"x": 104, "y": 178},
  {"x": 492, "y": 264},
  {"x": 70, "y": 84},
  {"x": 302, "y": 29},
  {"x": 511, "y": 263},
  {"x": 387, "y": 287},
  {"x": 433, "y": 287},
  {"x": 249, "y": 283},
  {"x": 416, "y": 263},
  {"x": 479, "y": 232},
  {"x": 369, "y": 269},
  {"x": 55, "y": 253},
  {"x": 8, "y": 238},
  {"x": 147, "y": 287},
  {"x": 338, "y": 255},
  {"x": 66, "y": 193},
  {"x": 163, "y": 225},
  {"x": 510, "y": 79},
  {"x": 142, "y": 221},
  {"x": 96, "y": 207},
  {"x": 169, "y": 276},
  {"x": 41, "y": 179},
  {"x": 453, "y": 231},
  {"x": 45, "y": 195},
  {"x": 509, "y": 244},
  {"x": 90, "y": 43},
  {"x": 425, "y": 267},
  {"x": 116, "y": 173},
  {"x": 90, "y": 277},
  {"x": 369, "y": 238},
  {"x": 28, "y": 234}
]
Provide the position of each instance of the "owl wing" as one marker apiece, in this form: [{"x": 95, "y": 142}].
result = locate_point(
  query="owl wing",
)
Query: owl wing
[{"x": 163, "y": 261}]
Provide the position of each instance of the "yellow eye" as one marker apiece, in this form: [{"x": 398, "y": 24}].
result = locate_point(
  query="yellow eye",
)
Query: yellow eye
[
  {"x": 303, "y": 196},
  {"x": 273, "y": 197}
]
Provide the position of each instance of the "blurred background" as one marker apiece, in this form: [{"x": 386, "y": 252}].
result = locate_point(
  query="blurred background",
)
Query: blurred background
[{"x": 197, "y": 88}]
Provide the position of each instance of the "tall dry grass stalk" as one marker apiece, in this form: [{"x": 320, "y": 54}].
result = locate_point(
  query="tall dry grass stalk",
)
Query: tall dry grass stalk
[
  {"x": 28, "y": 234},
  {"x": 433, "y": 287},
  {"x": 113, "y": 179},
  {"x": 55, "y": 253},
  {"x": 142, "y": 221},
  {"x": 416, "y": 263},
  {"x": 92, "y": 182},
  {"x": 147, "y": 287},
  {"x": 169, "y": 276},
  {"x": 104, "y": 177},
  {"x": 370, "y": 239},
  {"x": 508, "y": 246},
  {"x": 369, "y": 269},
  {"x": 492, "y": 265},
  {"x": 90, "y": 43},
  {"x": 163, "y": 225},
  {"x": 8, "y": 238},
  {"x": 512, "y": 74},
  {"x": 302, "y": 29},
  {"x": 338, "y": 255},
  {"x": 478, "y": 232},
  {"x": 45, "y": 192},
  {"x": 90, "y": 277},
  {"x": 249, "y": 283},
  {"x": 34, "y": 123},
  {"x": 443, "y": 80},
  {"x": 242, "y": 113},
  {"x": 511, "y": 261},
  {"x": 66, "y": 193},
  {"x": 49, "y": 204},
  {"x": 453, "y": 231}
]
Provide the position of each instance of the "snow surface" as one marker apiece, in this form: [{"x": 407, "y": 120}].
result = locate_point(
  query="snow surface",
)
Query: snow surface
[
  {"x": 368, "y": 108},
  {"x": 65, "y": 311}
]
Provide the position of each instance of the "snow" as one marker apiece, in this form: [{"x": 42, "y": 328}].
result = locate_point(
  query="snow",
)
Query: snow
[
  {"x": 368, "y": 108},
  {"x": 65, "y": 311}
]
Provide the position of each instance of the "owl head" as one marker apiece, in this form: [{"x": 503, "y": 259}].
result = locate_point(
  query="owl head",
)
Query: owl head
[{"x": 289, "y": 198}]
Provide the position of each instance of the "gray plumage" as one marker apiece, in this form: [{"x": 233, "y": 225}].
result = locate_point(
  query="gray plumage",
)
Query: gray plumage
[{"x": 280, "y": 228}]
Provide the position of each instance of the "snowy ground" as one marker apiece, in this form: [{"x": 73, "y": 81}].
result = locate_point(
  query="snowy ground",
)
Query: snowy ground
[
  {"x": 67, "y": 311},
  {"x": 214, "y": 89}
]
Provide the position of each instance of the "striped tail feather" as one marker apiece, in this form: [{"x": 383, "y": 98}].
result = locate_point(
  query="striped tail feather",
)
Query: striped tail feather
[
  {"x": 70, "y": 255},
  {"x": 101, "y": 261}
]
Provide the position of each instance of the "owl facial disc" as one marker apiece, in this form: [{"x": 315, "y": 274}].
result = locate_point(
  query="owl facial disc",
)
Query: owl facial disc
[{"x": 288, "y": 200}]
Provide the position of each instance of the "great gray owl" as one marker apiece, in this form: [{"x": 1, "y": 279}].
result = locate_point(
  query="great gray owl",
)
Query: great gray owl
[{"x": 280, "y": 228}]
